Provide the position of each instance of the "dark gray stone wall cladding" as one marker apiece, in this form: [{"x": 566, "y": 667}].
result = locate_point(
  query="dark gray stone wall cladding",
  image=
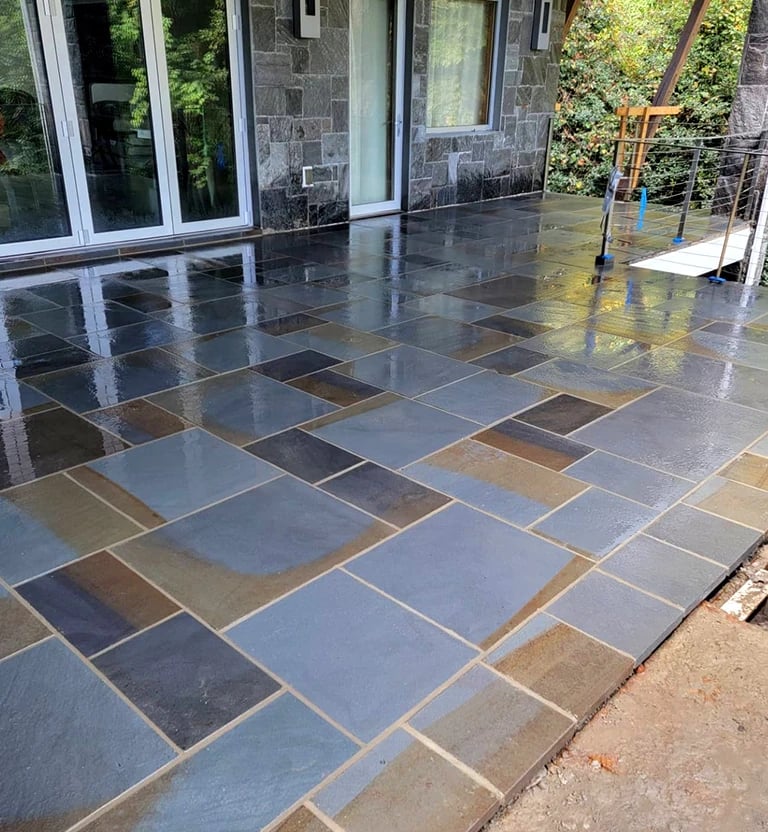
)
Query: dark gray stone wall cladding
[
  {"x": 301, "y": 90},
  {"x": 449, "y": 169}
]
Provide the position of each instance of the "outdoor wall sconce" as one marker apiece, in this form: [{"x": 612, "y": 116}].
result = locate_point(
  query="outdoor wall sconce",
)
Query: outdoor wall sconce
[
  {"x": 306, "y": 18},
  {"x": 542, "y": 22}
]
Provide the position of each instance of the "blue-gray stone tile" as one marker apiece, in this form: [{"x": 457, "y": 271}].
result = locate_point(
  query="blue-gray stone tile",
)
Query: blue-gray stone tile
[
  {"x": 387, "y": 495},
  {"x": 678, "y": 432},
  {"x": 141, "y": 336},
  {"x": 483, "y": 597},
  {"x": 457, "y": 309},
  {"x": 228, "y": 313},
  {"x": 78, "y": 320},
  {"x": 700, "y": 532},
  {"x": 96, "y": 602},
  {"x": 553, "y": 313},
  {"x": 295, "y": 366},
  {"x": 629, "y": 479},
  {"x": 561, "y": 664},
  {"x": 18, "y": 626},
  {"x": 367, "y": 314},
  {"x": 665, "y": 570},
  {"x": 242, "y": 406},
  {"x": 339, "y": 341},
  {"x": 185, "y": 678},
  {"x": 240, "y": 782},
  {"x": 68, "y": 744},
  {"x": 113, "y": 380},
  {"x": 486, "y": 397},
  {"x": 19, "y": 399},
  {"x": 496, "y": 482},
  {"x": 174, "y": 476},
  {"x": 725, "y": 348},
  {"x": 51, "y": 522},
  {"x": 453, "y": 339},
  {"x": 601, "y": 386},
  {"x": 623, "y": 617},
  {"x": 392, "y": 432},
  {"x": 716, "y": 379},
  {"x": 233, "y": 350},
  {"x": 338, "y": 629},
  {"x": 407, "y": 370},
  {"x": 496, "y": 729},
  {"x": 595, "y": 522},
  {"x": 303, "y": 455},
  {"x": 588, "y": 345},
  {"x": 226, "y": 561},
  {"x": 401, "y": 784},
  {"x": 511, "y": 360}
]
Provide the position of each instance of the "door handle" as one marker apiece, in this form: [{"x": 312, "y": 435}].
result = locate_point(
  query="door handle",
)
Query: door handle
[{"x": 398, "y": 127}]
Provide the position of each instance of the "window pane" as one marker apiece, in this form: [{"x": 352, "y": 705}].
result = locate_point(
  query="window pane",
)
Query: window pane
[
  {"x": 32, "y": 201},
  {"x": 197, "y": 52},
  {"x": 460, "y": 55},
  {"x": 112, "y": 99},
  {"x": 371, "y": 103}
]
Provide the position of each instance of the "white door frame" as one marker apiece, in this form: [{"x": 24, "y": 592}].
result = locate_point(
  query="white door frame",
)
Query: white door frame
[
  {"x": 237, "y": 83},
  {"x": 395, "y": 203},
  {"x": 91, "y": 236},
  {"x": 64, "y": 109},
  {"x": 60, "y": 133}
]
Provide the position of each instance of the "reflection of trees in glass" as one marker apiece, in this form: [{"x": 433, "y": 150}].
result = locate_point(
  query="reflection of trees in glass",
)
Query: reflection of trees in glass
[
  {"x": 22, "y": 140},
  {"x": 198, "y": 78},
  {"x": 460, "y": 51}
]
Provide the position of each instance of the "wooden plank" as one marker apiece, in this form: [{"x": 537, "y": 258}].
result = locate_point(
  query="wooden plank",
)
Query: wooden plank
[{"x": 633, "y": 112}]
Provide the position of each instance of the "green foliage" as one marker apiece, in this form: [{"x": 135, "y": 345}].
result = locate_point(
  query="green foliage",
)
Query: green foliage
[
  {"x": 198, "y": 75},
  {"x": 22, "y": 138},
  {"x": 616, "y": 54}
]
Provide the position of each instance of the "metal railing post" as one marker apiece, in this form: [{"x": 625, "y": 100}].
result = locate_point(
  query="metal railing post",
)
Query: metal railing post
[
  {"x": 688, "y": 195},
  {"x": 604, "y": 258},
  {"x": 732, "y": 215}
]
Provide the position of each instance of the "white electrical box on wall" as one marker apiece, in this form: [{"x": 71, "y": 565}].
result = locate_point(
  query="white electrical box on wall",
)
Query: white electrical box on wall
[
  {"x": 306, "y": 18},
  {"x": 542, "y": 23}
]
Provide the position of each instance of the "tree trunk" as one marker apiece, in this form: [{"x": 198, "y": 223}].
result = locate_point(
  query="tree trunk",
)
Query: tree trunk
[{"x": 749, "y": 114}]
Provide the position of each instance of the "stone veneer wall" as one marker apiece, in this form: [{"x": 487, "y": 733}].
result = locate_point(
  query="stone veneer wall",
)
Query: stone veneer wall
[
  {"x": 469, "y": 167},
  {"x": 301, "y": 113},
  {"x": 301, "y": 91}
]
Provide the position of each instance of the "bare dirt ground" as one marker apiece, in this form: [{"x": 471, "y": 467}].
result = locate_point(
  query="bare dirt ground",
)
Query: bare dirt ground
[{"x": 681, "y": 748}]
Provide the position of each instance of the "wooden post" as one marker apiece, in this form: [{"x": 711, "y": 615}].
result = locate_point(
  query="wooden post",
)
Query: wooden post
[{"x": 632, "y": 172}]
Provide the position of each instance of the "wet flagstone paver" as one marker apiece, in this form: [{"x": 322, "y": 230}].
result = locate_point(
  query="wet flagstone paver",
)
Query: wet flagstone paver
[{"x": 365, "y": 520}]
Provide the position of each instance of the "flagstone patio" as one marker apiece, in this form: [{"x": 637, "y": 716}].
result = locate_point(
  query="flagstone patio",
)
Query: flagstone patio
[{"x": 348, "y": 530}]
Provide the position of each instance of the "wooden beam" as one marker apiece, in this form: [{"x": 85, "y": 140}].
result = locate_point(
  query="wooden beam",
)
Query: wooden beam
[
  {"x": 672, "y": 75},
  {"x": 684, "y": 44},
  {"x": 571, "y": 11}
]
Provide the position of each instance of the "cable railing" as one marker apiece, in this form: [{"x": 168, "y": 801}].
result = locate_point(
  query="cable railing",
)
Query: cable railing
[{"x": 676, "y": 192}]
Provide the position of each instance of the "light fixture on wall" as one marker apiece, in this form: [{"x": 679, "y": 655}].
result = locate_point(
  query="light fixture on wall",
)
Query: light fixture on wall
[
  {"x": 542, "y": 22},
  {"x": 306, "y": 18}
]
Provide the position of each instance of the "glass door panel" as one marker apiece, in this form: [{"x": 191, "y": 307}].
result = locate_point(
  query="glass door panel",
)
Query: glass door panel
[
  {"x": 197, "y": 56},
  {"x": 372, "y": 53},
  {"x": 33, "y": 204},
  {"x": 110, "y": 85}
]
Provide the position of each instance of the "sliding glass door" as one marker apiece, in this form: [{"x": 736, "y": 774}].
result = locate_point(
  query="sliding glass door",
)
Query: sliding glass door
[
  {"x": 376, "y": 105},
  {"x": 33, "y": 173},
  {"x": 119, "y": 120}
]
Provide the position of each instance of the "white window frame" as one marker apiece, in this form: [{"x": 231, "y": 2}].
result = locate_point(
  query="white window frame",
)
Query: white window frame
[{"x": 493, "y": 86}]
